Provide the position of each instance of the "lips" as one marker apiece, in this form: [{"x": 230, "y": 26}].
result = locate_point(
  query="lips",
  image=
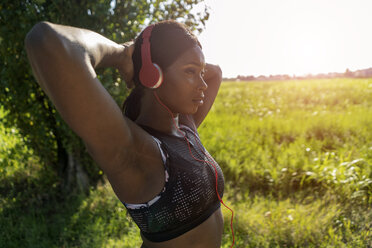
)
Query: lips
[{"x": 199, "y": 100}]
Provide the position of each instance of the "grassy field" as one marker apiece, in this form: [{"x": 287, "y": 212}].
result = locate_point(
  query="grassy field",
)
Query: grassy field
[{"x": 297, "y": 158}]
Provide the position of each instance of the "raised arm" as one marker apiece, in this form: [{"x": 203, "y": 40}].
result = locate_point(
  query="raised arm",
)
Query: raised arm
[{"x": 63, "y": 59}]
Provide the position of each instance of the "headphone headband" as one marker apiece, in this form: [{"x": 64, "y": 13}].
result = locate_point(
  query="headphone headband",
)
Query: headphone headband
[
  {"x": 147, "y": 32},
  {"x": 150, "y": 75}
]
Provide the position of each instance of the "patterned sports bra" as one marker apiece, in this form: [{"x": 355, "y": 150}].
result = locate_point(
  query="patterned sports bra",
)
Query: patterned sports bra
[{"x": 189, "y": 195}]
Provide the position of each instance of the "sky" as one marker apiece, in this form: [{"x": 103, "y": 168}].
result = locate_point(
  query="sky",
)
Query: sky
[{"x": 294, "y": 37}]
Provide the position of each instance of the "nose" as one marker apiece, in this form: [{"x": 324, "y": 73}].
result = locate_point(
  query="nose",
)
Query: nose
[{"x": 202, "y": 86}]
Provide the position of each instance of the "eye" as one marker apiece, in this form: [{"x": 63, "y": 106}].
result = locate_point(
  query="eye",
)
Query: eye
[{"x": 190, "y": 71}]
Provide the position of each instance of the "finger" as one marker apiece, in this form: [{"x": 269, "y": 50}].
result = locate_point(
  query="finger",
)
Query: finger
[
  {"x": 130, "y": 84},
  {"x": 129, "y": 73},
  {"x": 129, "y": 47}
]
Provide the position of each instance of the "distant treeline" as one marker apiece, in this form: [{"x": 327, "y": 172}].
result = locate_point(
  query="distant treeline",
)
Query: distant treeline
[{"x": 365, "y": 73}]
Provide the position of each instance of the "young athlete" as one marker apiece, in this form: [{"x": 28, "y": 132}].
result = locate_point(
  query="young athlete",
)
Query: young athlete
[{"x": 152, "y": 156}]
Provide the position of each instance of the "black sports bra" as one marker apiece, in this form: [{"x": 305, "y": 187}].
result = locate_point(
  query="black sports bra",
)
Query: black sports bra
[{"x": 189, "y": 195}]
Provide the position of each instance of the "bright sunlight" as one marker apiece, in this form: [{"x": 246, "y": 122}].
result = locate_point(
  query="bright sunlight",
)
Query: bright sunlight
[{"x": 251, "y": 37}]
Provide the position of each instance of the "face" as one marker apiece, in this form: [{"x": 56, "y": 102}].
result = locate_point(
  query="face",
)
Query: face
[{"x": 183, "y": 87}]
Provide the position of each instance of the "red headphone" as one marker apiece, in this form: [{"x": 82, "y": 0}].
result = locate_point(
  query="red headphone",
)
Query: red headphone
[{"x": 150, "y": 75}]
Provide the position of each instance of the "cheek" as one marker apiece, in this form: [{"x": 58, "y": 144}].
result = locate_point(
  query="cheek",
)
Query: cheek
[
  {"x": 178, "y": 83},
  {"x": 177, "y": 87},
  {"x": 177, "y": 99}
]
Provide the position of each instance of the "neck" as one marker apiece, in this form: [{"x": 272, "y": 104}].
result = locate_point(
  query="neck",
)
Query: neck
[{"x": 153, "y": 114}]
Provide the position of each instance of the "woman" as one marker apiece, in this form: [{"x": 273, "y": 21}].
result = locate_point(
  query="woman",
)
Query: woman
[{"x": 152, "y": 156}]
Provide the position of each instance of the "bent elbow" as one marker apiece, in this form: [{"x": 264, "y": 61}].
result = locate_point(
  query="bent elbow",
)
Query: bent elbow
[
  {"x": 219, "y": 72},
  {"x": 40, "y": 46},
  {"x": 36, "y": 38}
]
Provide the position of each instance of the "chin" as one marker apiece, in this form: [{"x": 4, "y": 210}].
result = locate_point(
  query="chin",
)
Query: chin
[
  {"x": 190, "y": 111},
  {"x": 194, "y": 111}
]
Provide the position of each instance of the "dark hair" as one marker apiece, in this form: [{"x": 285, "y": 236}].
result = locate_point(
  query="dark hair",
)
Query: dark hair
[{"x": 169, "y": 39}]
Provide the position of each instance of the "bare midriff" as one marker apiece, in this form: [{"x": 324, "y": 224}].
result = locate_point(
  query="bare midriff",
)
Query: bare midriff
[{"x": 207, "y": 235}]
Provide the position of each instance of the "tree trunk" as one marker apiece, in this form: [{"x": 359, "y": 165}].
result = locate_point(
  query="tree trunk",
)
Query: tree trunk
[{"x": 74, "y": 178}]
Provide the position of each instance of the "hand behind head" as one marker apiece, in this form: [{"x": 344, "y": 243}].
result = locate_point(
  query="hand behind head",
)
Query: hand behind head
[{"x": 126, "y": 68}]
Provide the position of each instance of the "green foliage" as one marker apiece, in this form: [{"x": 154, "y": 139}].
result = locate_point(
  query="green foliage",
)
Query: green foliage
[
  {"x": 14, "y": 155},
  {"x": 298, "y": 177},
  {"x": 48, "y": 221},
  {"x": 297, "y": 157},
  {"x": 27, "y": 107},
  {"x": 305, "y": 133}
]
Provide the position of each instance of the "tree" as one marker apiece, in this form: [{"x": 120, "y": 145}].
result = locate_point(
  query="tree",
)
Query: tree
[
  {"x": 348, "y": 73},
  {"x": 27, "y": 106}
]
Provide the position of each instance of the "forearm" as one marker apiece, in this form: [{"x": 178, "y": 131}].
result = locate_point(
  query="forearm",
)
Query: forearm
[
  {"x": 213, "y": 75},
  {"x": 213, "y": 78},
  {"x": 75, "y": 44}
]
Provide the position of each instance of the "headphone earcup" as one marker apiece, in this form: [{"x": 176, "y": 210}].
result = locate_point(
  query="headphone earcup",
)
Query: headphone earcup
[{"x": 151, "y": 75}]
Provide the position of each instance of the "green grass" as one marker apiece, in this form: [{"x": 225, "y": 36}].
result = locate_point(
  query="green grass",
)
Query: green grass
[{"x": 297, "y": 158}]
